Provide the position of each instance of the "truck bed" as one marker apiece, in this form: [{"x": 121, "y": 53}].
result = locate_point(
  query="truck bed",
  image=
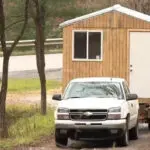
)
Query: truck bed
[{"x": 144, "y": 100}]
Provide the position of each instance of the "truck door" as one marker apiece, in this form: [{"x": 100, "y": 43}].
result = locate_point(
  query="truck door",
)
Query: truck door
[{"x": 132, "y": 104}]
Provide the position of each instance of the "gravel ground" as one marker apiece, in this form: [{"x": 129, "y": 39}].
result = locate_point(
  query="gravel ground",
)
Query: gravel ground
[{"x": 143, "y": 143}]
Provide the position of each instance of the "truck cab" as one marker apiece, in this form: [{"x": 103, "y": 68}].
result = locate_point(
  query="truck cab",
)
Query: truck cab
[{"x": 96, "y": 109}]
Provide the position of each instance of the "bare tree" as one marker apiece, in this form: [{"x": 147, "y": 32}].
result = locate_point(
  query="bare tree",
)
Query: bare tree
[
  {"x": 6, "y": 55},
  {"x": 139, "y": 5},
  {"x": 146, "y": 7},
  {"x": 113, "y": 2},
  {"x": 37, "y": 9}
]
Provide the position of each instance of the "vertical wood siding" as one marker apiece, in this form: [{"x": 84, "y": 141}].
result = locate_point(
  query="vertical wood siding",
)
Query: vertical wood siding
[{"x": 115, "y": 62}]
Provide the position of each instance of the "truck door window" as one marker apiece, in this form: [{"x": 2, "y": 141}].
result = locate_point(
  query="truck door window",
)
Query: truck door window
[
  {"x": 127, "y": 87},
  {"x": 126, "y": 90}
]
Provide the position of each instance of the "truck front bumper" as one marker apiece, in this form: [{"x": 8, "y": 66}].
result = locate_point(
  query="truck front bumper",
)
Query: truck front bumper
[
  {"x": 102, "y": 130},
  {"x": 107, "y": 124}
]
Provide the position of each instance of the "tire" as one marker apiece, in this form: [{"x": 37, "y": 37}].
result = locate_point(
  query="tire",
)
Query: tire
[
  {"x": 60, "y": 140},
  {"x": 134, "y": 133},
  {"x": 124, "y": 140},
  {"x": 149, "y": 125}
]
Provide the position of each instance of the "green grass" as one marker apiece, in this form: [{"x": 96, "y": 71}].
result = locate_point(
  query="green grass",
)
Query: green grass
[
  {"x": 27, "y": 125},
  {"x": 27, "y": 85}
]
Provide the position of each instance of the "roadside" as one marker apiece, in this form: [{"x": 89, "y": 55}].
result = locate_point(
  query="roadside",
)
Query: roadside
[
  {"x": 51, "y": 74},
  {"x": 27, "y": 63},
  {"x": 32, "y": 52}
]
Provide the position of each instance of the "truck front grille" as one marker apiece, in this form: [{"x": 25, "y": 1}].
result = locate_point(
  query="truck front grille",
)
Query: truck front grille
[{"x": 94, "y": 114}]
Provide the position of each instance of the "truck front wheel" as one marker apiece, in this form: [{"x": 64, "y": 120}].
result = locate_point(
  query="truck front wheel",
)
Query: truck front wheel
[
  {"x": 60, "y": 140},
  {"x": 134, "y": 132},
  {"x": 149, "y": 125},
  {"x": 124, "y": 140}
]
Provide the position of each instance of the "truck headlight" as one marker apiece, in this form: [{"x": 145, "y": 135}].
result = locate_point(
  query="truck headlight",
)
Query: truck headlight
[
  {"x": 114, "y": 113},
  {"x": 114, "y": 110},
  {"x": 63, "y": 114}
]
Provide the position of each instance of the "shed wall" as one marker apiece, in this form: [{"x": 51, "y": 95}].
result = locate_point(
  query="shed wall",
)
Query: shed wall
[{"x": 115, "y": 63}]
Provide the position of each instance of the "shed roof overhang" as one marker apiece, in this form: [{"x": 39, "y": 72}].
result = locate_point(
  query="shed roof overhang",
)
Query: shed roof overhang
[{"x": 117, "y": 8}]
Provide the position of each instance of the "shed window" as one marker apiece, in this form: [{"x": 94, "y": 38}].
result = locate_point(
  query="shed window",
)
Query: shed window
[
  {"x": 80, "y": 45},
  {"x": 87, "y": 45}
]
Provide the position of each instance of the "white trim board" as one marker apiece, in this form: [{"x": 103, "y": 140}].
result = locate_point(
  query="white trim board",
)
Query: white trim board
[{"x": 117, "y": 8}]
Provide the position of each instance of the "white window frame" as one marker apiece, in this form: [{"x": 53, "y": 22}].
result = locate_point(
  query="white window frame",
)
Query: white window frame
[{"x": 87, "y": 42}]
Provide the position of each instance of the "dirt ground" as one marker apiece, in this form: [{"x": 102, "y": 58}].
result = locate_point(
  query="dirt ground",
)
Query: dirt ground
[
  {"x": 31, "y": 98},
  {"x": 48, "y": 143},
  {"x": 143, "y": 143}
]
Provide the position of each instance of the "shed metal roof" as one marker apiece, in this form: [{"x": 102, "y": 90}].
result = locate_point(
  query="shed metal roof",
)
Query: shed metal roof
[
  {"x": 117, "y": 8},
  {"x": 98, "y": 79}
]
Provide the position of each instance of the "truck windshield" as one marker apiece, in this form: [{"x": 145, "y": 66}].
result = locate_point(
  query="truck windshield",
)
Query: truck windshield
[{"x": 94, "y": 89}]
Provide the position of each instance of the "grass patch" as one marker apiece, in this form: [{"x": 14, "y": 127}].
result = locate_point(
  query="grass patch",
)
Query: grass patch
[
  {"x": 26, "y": 85},
  {"x": 27, "y": 125}
]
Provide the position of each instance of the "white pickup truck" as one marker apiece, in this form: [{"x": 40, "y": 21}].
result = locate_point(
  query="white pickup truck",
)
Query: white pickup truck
[{"x": 96, "y": 109}]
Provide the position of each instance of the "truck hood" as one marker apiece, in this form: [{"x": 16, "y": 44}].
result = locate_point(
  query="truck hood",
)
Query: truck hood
[{"x": 90, "y": 103}]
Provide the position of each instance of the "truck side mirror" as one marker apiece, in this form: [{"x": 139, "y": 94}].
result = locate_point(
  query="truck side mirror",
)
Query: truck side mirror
[
  {"x": 132, "y": 97},
  {"x": 57, "y": 97}
]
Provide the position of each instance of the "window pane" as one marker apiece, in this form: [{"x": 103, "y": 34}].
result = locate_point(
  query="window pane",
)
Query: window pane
[
  {"x": 94, "y": 45},
  {"x": 80, "y": 45}
]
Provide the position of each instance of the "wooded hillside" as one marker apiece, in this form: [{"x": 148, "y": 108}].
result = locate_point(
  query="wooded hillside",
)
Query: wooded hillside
[{"x": 57, "y": 12}]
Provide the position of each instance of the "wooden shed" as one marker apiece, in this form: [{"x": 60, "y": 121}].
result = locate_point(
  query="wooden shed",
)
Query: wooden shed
[{"x": 113, "y": 42}]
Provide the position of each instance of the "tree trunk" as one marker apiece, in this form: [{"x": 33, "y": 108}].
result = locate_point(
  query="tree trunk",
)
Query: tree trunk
[
  {"x": 3, "y": 93},
  {"x": 39, "y": 20},
  {"x": 40, "y": 59},
  {"x": 6, "y": 55},
  {"x": 43, "y": 91}
]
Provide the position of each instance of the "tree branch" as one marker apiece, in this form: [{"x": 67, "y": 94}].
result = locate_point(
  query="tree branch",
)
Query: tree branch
[
  {"x": 23, "y": 28},
  {"x": 32, "y": 9},
  {"x": 2, "y": 27},
  {"x": 14, "y": 23},
  {"x": 16, "y": 16}
]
